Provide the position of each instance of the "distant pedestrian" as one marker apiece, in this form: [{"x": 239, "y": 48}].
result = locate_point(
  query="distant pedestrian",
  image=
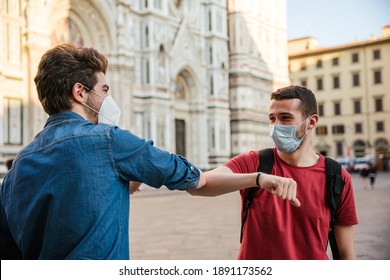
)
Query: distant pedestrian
[
  {"x": 364, "y": 174},
  {"x": 372, "y": 174}
]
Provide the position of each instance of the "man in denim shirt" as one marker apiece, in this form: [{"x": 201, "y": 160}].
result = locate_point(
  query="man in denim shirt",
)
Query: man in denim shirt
[{"x": 67, "y": 193}]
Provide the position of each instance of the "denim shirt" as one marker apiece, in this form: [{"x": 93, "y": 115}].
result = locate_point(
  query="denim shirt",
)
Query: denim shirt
[{"x": 67, "y": 193}]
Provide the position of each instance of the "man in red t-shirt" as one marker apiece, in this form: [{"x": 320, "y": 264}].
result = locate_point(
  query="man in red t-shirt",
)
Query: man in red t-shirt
[{"x": 275, "y": 229}]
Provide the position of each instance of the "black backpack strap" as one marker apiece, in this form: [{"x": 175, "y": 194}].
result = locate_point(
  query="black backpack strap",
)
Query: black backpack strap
[
  {"x": 334, "y": 189},
  {"x": 266, "y": 160}
]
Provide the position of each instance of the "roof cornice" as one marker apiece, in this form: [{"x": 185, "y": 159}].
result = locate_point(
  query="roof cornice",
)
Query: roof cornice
[{"x": 323, "y": 50}]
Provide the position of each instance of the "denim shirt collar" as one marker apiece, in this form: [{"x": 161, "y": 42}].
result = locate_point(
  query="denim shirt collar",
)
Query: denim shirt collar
[{"x": 56, "y": 118}]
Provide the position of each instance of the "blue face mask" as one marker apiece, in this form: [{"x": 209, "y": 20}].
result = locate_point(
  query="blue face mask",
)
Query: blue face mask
[{"x": 285, "y": 137}]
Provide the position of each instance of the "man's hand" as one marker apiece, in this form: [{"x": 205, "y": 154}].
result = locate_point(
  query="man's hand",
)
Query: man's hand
[
  {"x": 134, "y": 186},
  {"x": 285, "y": 188}
]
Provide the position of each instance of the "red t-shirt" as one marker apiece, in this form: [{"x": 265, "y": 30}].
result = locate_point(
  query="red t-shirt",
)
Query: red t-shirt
[{"x": 275, "y": 229}]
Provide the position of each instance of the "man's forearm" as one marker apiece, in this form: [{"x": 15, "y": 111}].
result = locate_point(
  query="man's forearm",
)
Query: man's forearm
[
  {"x": 221, "y": 182},
  {"x": 218, "y": 183}
]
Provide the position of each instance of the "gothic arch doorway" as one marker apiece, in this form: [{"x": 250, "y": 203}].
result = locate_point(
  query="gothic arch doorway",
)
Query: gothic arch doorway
[{"x": 183, "y": 95}]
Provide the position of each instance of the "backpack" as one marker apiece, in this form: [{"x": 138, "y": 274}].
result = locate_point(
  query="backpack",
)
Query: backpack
[{"x": 334, "y": 189}]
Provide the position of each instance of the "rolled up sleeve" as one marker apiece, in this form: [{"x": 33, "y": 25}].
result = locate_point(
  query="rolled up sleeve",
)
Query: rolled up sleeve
[{"x": 136, "y": 159}]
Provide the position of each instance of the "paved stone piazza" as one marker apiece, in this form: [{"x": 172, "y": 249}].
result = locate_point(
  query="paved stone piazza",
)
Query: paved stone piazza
[{"x": 172, "y": 225}]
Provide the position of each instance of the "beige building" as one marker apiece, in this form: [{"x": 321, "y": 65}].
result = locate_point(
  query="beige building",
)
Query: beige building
[
  {"x": 193, "y": 75},
  {"x": 352, "y": 86}
]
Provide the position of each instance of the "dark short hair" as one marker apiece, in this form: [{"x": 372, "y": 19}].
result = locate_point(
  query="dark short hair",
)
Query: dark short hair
[
  {"x": 60, "y": 68},
  {"x": 308, "y": 104}
]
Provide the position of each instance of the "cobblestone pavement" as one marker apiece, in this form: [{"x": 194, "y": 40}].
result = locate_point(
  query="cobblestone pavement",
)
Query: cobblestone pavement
[{"x": 166, "y": 225}]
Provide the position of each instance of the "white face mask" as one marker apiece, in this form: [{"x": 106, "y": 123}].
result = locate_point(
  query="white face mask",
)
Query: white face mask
[
  {"x": 109, "y": 112},
  {"x": 285, "y": 137}
]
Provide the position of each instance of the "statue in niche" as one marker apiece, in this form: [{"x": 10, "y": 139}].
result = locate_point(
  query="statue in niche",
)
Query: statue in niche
[
  {"x": 222, "y": 79},
  {"x": 178, "y": 3},
  {"x": 179, "y": 89},
  {"x": 66, "y": 31},
  {"x": 161, "y": 64}
]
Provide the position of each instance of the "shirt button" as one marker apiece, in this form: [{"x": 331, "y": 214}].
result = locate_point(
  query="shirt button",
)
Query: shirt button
[{"x": 192, "y": 168}]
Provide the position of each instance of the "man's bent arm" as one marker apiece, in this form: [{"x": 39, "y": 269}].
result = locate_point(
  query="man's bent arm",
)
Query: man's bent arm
[{"x": 222, "y": 180}]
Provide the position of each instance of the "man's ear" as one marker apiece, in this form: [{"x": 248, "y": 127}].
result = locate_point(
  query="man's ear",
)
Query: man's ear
[
  {"x": 78, "y": 92},
  {"x": 313, "y": 121}
]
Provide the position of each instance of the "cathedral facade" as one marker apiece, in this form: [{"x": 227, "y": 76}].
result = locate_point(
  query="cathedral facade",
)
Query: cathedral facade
[{"x": 195, "y": 76}]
